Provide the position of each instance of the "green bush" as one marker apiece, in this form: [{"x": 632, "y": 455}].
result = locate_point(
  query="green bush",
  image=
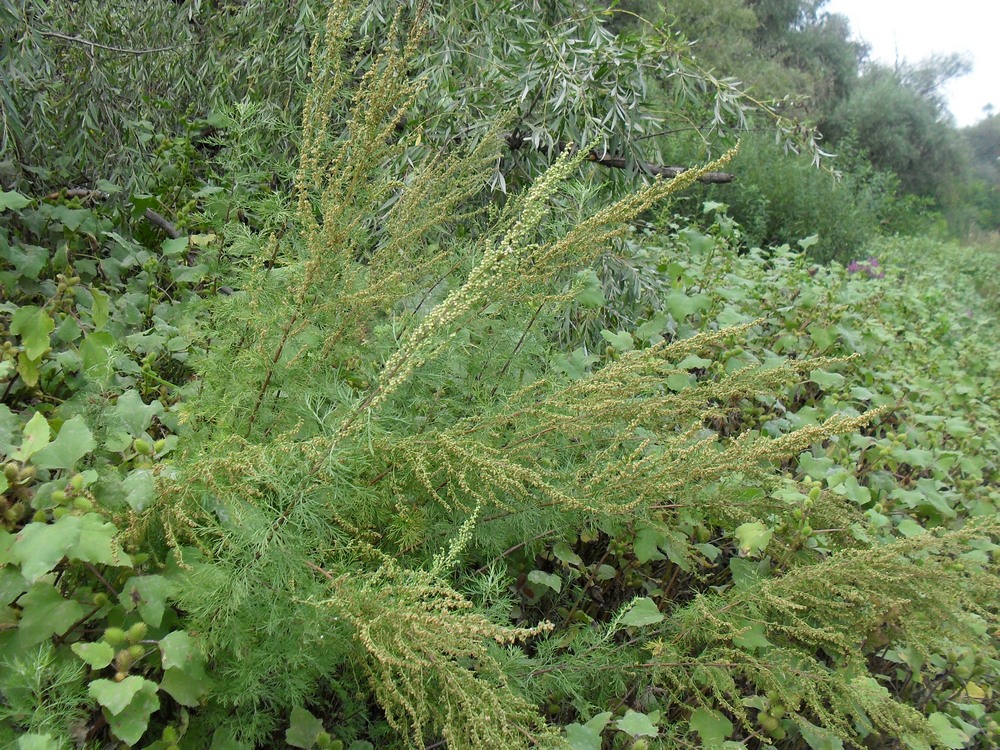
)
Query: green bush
[
  {"x": 410, "y": 482},
  {"x": 779, "y": 197}
]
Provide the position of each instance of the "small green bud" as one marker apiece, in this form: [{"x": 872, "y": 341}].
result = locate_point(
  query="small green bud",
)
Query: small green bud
[
  {"x": 137, "y": 632},
  {"x": 77, "y": 482},
  {"x": 83, "y": 503},
  {"x": 136, "y": 651},
  {"x": 814, "y": 494},
  {"x": 59, "y": 497},
  {"x": 40, "y": 516},
  {"x": 170, "y": 734},
  {"x": 59, "y": 512},
  {"x": 123, "y": 660},
  {"x": 11, "y": 471},
  {"x": 160, "y": 445},
  {"x": 142, "y": 447},
  {"x": 768, "y": 723},
  {"x": 101, "y": 600},
  {"x": 114, "y": 637}
]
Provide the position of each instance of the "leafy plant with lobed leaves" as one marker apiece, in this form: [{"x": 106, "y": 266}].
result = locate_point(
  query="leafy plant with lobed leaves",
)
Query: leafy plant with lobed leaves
[
  {"x": 403, "y": 512},
  {"x": 381, "y": 412}
]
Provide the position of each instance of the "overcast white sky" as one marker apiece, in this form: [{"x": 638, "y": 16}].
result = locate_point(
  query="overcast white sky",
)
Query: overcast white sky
[{"x": 914, "y": 29}]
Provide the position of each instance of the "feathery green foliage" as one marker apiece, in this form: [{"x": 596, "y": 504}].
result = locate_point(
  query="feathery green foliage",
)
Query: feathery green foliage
[
  {"x": 428, "y": 488},
  {"x": 345, "y": 430}
]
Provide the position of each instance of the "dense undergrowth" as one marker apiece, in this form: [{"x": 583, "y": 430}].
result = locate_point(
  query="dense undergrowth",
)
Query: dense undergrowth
[{"x": 371, "y": 466}]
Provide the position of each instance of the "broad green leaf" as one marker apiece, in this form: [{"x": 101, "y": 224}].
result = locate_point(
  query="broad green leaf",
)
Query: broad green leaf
[
  {"x": 130, "y": 724},
  {"x": 679, "y": 381},
  {"x": 606, "y": 573},
  {"x": 753, "y": 637},
  {"x": 139, "y": 489},
  {"x": 9, "y": 427},
  {"x": 681, "y": 306},
  {"x": 97, "y": 542},
  {"x": 818, "y": 738},
  {"x": 12, "y": 583},
  {"x": 13, "y": 200},
  {"x": 947, "y": 733},
  {"x": 186, "y": 686},
  {"x": 698, "y": 242},
  {"x": 180, "y": 650},
  {"x": 551, "y": 580},
  {"x": 70, "y": 218},
  {"x": 646, "y": 546},
  {"x": 28, "y": 369},
  {"x": 97, "y": 655},
  {"x": 908, "y": 527},
  {"x": 175, "y": 247},
  {"x": 223, "y": 739},
  {"x": 753, "y": 537},
  {"x": 815, "y": 467},
  {"x": 564, "y": 553},
  {"x": 826, "y": 380},
  {"x": 652, "y": 327},
  {"x": 148, "y": 594},
  {"x": 712, "y": 726},
  {"x": 33, "y": 325},
  {"x": 99, "y": 311},
  {"x": 303, "y": 729},
  {"x": 73, "y": 442},
  {"x": 807, "y": 242},
  {"x": 621, "y": 341},
  {"x": 580, "y": 737},
  {"x": 115, "y": 696},
  {"x": 134, "y": 415},
  {"x": 68, "y": 331},
  {"x": 36, "y": 437},
  {"x": 642, "y": 612},
  {"x": 822, "y": 337},
  {"x": 853, "y": 491},
  {"x": 38, "y": 547},
  {"x": 46, "y": 613},
  {"x": 107, "y": 187},
  {"x": 6, "y": 552},
  {"x": 591, "y": 294},
  {"x": 95, "y": 351},
  {"x": 600, "y": 721},
  {"x": 675, "y": 545},
  {"x": 636, "y": 724},
  {"x": 693, "y": 362},
  {"x": 37, "y": 742},
  {"x": 575, "y": 364}
]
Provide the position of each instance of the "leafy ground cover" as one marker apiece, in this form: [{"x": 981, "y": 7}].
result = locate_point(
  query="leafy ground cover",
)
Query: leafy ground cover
[{"x": 674, "y": 492}]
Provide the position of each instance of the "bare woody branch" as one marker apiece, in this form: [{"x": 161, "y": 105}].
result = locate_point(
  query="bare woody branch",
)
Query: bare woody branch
[{"x": 515, "y": 142}]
